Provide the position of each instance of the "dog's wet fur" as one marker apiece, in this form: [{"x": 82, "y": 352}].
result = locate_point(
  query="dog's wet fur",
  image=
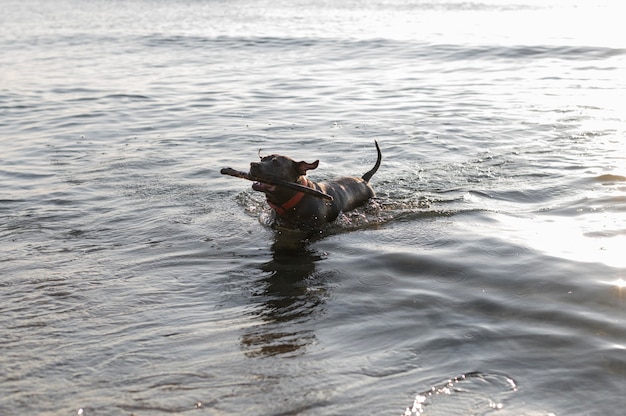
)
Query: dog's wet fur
[{"x": 298, "y": 210}]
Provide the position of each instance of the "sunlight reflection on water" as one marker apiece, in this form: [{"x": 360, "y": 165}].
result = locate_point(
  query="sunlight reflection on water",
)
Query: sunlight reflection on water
[{"x": 568, "y": 238}]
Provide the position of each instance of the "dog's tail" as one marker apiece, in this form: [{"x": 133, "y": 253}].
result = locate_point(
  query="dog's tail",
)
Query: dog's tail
[{"x": 372, "y": 171}]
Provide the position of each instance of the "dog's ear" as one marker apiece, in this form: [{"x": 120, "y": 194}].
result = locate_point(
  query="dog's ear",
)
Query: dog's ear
[{"x": 304, "y": 166}]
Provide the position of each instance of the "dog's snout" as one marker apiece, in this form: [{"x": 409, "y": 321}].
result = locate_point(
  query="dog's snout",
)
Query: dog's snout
[{"x": 255, "y": 168}]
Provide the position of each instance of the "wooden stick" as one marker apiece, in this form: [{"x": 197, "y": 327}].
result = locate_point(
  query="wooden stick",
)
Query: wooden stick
[{"x": 278, "y": 182}]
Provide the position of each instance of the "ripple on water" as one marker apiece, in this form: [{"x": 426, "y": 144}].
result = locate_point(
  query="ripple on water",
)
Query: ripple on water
[{"x": 471, "y": 393}]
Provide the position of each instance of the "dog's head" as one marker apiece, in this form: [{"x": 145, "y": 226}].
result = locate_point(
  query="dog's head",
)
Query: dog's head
[{"x": 278, "y": 167}]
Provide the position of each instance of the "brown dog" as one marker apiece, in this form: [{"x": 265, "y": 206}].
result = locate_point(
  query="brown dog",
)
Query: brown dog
[{"x": 295, "y": 209}]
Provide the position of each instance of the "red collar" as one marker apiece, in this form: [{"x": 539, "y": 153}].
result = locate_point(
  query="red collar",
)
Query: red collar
[{"x": 292, "y": 202}]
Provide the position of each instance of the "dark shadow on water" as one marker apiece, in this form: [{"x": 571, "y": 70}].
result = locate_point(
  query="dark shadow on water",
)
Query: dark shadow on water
[{"x": 289, "y": 296}]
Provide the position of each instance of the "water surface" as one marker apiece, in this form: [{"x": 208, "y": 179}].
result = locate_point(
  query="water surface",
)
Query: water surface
[{"x": 487, "y": 276}]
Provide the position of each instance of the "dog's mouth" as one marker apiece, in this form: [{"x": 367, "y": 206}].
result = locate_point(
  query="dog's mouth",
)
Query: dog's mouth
[{"x": 263, "y": 187}]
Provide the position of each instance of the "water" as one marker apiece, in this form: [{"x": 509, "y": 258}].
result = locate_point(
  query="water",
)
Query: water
[{"x": 487, "y": 277}]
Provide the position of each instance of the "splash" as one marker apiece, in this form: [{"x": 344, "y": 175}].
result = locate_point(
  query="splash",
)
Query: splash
[{"x": 475, "y": 393}]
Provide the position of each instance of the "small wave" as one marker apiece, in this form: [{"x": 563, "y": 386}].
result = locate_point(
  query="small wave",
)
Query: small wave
[
  {"x": 137, "y": 97},
  {"x": 231, "y": 41},
  {"x": 609, "y": 178},
  {"x": 463, "y": 52},
  {"x": 406, "y": 48}
]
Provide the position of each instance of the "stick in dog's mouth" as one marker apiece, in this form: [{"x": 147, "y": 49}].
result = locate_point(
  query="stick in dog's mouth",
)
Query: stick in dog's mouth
[{"x": 266, "y": 184}]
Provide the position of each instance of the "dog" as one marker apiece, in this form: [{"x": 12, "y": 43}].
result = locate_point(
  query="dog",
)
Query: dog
[{"x": 294, "y": 209}]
